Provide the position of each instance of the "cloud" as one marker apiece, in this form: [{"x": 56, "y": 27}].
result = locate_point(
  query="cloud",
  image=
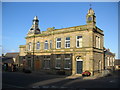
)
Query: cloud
[{"x": 13, "y": 51}]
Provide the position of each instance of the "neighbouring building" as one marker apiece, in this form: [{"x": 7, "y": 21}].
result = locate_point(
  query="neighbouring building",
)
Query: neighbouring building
[
  {"x": 7, "y": 63},
  {"x": 109, "y": 59},
  {"x": 117, "y": 64},
  {"x": 14, "y": 56},
  {"x": 72, "y": 49}
]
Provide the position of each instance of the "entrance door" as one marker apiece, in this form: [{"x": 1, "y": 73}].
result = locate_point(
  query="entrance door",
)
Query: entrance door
[
  {"x": 79, "y": 67},
  {"x": 37, "y": 65}
]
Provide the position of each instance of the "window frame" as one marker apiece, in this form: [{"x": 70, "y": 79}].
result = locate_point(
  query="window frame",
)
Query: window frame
[
  {"x": 69, "y": 64},
  {"x": 58, "y": 58},
  {"x": 98, "y": 42},
  {"x": 67, "y": 42},
  {"x": 46, "y": 44},
  {"x": 46, "y": 59},
  {"x": 29, "y": 46},
  {"x": 58, "y": 42},
  {"x": 50, "y": 44},
  {"x": 37, "y": 46},
  {"x": 80, "y": 46}
]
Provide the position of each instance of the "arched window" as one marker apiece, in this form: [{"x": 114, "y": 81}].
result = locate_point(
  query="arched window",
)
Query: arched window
[
  {"x": 38, "y": 45},
  {"x": 46, "y": 45},
  {"x": 29, "y": 46}
]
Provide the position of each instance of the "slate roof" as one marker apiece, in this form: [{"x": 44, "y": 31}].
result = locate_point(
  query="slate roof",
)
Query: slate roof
[
  {"x": 107, "y": 52},
  {"x": 13, "y": 55},
  {"x": 7, "y": 60}
]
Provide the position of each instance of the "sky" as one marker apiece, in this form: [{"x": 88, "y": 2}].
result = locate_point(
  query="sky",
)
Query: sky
[{"x": 17, "y": 19}]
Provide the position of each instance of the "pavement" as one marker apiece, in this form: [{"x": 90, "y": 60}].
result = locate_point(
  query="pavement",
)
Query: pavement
[
  {"x": 49, "y": 81},
  {"x": 44, "y": 80},
  {"x": 76, "y": 78}
]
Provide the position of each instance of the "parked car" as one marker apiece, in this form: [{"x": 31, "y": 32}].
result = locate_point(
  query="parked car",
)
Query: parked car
[{"x": 86, "y": 73}]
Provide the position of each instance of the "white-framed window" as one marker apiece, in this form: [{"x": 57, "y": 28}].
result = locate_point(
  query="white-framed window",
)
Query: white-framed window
[
  {"x": 58, "y": 43},
  {"x": 67, "y": 42},
  {"x": 38, "y": 45},
  {"x": 67, "y": 62},
  {"x": 58, "y": 62},
  {"x": 113, "y": 61},
  {"x": 97, "y": 42},
  {"x": 47, "y": 62},
  {"x": 105, "y": 62},
  {"x": 78, "y": 41},
  {"x": 50, "y": 44},
  {"x": 29, "y": 46},
  {"x": 46, "y": 45}
]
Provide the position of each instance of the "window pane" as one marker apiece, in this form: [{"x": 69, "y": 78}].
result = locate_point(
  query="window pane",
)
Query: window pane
[
  {"x": 58, "y": 63},
  {"x": 58, "y": 56},
  {"x": 46, "y": 45},
  {"x": 67, "y": 38},
  {"x": 67, "y": 64},
  {"x": 79, "y": 37},
  {"x": 77, "y": 43},
  {"x": 50, "y": 44},
  {"x": 38, "y": 45},
  {"x": 29, "y": 46},
  {"x": 58, "y": 39},
  {"x": 58, "y": 43},
  {"x": 67, "y": 42},
  {"x": 67, "y": 56}
]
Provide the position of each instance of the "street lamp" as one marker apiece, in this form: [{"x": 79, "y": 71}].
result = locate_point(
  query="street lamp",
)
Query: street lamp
[{"x": 33, "y": 52}]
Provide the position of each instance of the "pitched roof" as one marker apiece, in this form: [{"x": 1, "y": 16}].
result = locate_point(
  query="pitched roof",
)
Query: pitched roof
[
  {"x": 13, "y": 55},
  {"x": 7, "y": 60}
]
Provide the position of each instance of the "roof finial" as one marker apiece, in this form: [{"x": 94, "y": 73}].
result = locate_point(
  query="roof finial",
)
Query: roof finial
[
  {"x": 90, "y": 5},
  {"x": 35, "y": 18}
]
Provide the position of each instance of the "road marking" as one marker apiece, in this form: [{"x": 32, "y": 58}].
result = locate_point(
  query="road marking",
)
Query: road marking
[{"x": 13, "y": 86}]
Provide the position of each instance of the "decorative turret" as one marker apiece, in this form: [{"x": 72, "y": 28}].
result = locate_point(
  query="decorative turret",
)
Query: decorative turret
[
  {"x": 35, "y": 28},
  {"x": 90, "y": 17}
]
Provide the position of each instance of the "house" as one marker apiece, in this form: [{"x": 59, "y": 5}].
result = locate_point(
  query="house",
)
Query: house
[
  {"x": 117, "y": 64},
  {"x": 7, "y": 63},
  {"x": 109, "y": 59},
  {"x": 14, "y": 56},
  {"x": 72, "y": 50}
]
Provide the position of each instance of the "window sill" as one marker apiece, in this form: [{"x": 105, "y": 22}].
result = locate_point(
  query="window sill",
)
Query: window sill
[
  {"x": 46, "y": 68},
  {"x": 57, "y": 67},
  {"x": 67, "y": 68}
]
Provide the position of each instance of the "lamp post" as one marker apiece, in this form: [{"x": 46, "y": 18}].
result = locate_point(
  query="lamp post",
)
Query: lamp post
[{"x": 33, "y": 52}]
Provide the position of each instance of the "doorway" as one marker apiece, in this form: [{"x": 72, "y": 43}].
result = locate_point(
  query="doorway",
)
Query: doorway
[{"x": 79, "y": 65}]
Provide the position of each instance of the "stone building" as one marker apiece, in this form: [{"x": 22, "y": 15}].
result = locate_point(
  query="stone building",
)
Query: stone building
[
  {"x": 117, "y": 64},
  {"x": 72, "y": 49},
  {"x": 109, "y": 59},
  {"x": 14, "y": 56}
]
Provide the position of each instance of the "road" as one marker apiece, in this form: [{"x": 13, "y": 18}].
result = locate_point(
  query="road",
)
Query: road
[{"x": 22, "y": 80}]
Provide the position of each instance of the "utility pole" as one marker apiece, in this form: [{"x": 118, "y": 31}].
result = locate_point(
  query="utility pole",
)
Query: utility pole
[{"x": 33, "y": 52}]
